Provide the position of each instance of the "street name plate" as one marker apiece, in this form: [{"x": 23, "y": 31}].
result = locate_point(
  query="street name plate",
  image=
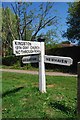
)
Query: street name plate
[
  {"x": 25, "y": 47},
  {"x": 58, "y": 60},
  {"x": 30, "y": 59}
]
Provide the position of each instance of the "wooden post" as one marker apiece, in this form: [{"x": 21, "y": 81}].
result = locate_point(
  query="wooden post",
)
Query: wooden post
[
  {"x": 78, "y": 90},
  {"x": 42, "y": 81}
]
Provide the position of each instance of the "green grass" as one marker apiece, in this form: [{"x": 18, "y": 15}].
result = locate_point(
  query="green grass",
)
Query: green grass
[
  {"x": 17, "y": 66},
  {"x": 22, "y": 99}
]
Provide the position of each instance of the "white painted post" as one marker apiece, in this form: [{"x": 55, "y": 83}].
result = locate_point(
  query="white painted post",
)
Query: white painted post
[{"x": 42, "y": 81}]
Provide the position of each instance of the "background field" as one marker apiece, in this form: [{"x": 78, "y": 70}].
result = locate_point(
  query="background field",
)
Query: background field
[{"x": 22, "y": 99}]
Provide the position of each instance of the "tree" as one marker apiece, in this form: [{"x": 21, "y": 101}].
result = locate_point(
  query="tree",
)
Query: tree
[
  {"x": 43, "y": 18},
  {"x": 73, "y": 22},
  {"x": 24, "y": 21},
  {"x": 49, "y": 37},
  {"x": 31, "y": 19},
  {"x": 8, "y": 30},
  {"x": 11, "y": 31}
]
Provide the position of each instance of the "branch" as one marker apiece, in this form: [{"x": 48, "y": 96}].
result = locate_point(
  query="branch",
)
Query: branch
[
  {"x": 18, "y": 24},
  {"x": 9, "y": 23},
  {"x": 42, "y": 26},
  {"x": 46, "y": 12},
  {"x": 15, "y": 10},
  {"x": 48, "y": 22},
  {"x": 25, "y": 26}
]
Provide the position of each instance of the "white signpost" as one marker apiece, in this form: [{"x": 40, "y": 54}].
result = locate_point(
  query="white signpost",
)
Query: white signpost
[
  {"x": 25, "y": 47},
  {"x": 42, "y": 80},
  {"x": 58, "y": 60},
  {"x": 30, "y": 59},
  {"x": 28, "y": 48}
]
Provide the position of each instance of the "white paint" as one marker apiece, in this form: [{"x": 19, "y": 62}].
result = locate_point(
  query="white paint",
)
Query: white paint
[
  {"x": 25, "y": 47},
  {"x": 42, "y": 81},
  {"x": 28, "y": 47},
  {"x": 58, "y": 60},
  {"x": 30, "y": 59}
]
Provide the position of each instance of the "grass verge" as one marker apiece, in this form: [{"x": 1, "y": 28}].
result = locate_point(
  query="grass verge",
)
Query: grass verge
[{"x": 22, "y": 99}]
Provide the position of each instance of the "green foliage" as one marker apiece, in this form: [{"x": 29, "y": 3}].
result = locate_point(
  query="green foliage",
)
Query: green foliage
[
  {"x": 65, "y": 42},
  {"x": 12, "y": 27},
  {"x": 43, "y": 18},
  {"x": 52, "y": 46},
  {"x": 49, "y": 37},
  {"x": 9, "y": 31},
  {"x": 0, "y": 21},
  {"x": 9, "y": 60},
  {"x": 22, "y": 99},
  {"x": 73, "y": 22},
  {"x": 66, "y": 52},
  {"x": 13, "y": 62},
  {"x": 8, "y": 24},
  {"x": 24, "y": 19},
  {"x": 26, "y": 22}
]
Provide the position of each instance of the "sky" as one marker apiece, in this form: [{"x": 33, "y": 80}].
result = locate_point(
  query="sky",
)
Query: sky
[
  {"x": 61, "y": 9},
  {"x": 39, "y": 0}
]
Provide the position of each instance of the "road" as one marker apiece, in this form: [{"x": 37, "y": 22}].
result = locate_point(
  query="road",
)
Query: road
[{"x": 36, "y": 72}]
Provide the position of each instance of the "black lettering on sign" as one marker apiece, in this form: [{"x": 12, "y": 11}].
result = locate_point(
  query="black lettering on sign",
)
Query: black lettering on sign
[
  {"x": 15, "y": 43},
  {"x": 36, "y": 51},
  {"x": 55, "y": 60},
  {"x": 29, "y": 59},
  {"x": 27, "y": 43},
  {"x": 58, "y": 60},
  {"x": 52, "y": 59},
  {"x": 47, "y": 59},
  {"x": 18, "y": 47},
  {"x": 22, "y": 43},
  {"x": 34, "y": 47},
  {"x": 25, "y": 47},
  {"x": 17, "y": 52},
  {"x": 65, "y": 61},
  {"x": 62, "y": 61}
]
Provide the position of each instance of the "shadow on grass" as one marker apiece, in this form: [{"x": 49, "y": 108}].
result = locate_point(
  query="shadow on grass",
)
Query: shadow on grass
[
  {"x": 62, "y": 107},
  {"x": 12, "y": 91}
]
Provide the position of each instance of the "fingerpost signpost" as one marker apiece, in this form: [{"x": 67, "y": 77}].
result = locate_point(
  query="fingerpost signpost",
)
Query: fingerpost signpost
[
  {"x": 33, "y": 52},
  {"x": 30, "y": 59}
]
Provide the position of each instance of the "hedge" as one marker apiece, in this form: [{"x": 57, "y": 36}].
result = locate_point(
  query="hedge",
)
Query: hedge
[
  {"x": 10, "y": 60},
  {"x": 73, "y": 52}
]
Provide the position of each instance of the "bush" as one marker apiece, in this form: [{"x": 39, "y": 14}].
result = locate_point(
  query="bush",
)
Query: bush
[
  {"x": 10, "y": 60},
  {"x": 73, "y": 52}
]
